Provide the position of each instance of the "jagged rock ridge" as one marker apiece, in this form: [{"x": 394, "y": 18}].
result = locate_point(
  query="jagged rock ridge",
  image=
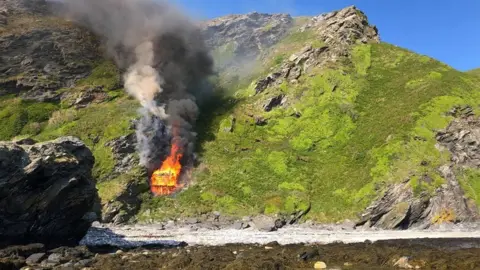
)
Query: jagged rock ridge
[{"x": 337, "y": 30}]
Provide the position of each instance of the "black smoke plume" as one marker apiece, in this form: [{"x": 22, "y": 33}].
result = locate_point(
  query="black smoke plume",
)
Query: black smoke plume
[{"x": 166, "y": 64}]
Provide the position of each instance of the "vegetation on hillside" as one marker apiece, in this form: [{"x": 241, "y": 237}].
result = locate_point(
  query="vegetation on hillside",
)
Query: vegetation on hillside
[
  {"x": 475, "y": 72},
  {"x": 344, "y": 134},
  {"x": 341, "y": 135}
]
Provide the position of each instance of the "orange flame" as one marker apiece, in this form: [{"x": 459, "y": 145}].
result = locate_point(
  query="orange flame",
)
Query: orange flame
[{"x": 164, "y": 181}]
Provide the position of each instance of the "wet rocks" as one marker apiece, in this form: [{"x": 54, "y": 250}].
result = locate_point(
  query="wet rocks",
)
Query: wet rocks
[
  {"x": 35, "y": 258},
  {"x": 47, "y": 192},
  {"x": 59, "y": 258}
]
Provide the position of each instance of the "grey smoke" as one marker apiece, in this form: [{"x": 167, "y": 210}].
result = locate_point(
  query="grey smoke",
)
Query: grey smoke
[{"x": 166, "y": 64}]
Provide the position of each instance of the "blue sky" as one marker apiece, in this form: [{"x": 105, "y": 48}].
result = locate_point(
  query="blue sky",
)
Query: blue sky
[{"x": 447, "y": 30}]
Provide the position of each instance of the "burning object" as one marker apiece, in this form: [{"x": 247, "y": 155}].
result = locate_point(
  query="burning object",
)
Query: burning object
[
  {"x": 165, "y": 181},
  {"x": 166, "y": 64}
]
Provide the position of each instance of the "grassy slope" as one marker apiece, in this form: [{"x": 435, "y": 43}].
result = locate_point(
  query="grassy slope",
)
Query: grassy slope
[
  {"x": 475, "y": 72},
  {"x": 356, "y": 131},
  {"x": 362, "y": 124}
]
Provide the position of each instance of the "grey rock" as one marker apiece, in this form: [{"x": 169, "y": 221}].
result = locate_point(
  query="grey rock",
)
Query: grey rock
[
  {"x": 262, "y": 84},
  {"x": 244, "y": 37},
  {"x": 46, "y": 66},
  {"x": 53, "y": 178},
  {"x": 347, "y": 225},
  {"x": 55, "y": 258},
  {"x": 84, "y": 263},
  {"x": 47, "y": 264},
  {"x": 35, "y": 258},
  {"x": 124, "y": 152},
  {"x": 27, "y": 141},
  {"x": 339, "y": 30},
  {"x": 126, "y": 204},
  {"x": 192, "y": 220},
  {"x": 264, "y": 223},
  {"x": 295, "y": 73},
  {"x": 399, "y": 208},
  {"x": 260, "y": 121},
  {"x": 238, "y": 225},
  {"x": 22, "y": 250},
  {"x": 67, "y": 266},
  {"x": 279, "y": 223},
  {"x": 170, "y": 225},
  {"x": 273, "y": 102}
]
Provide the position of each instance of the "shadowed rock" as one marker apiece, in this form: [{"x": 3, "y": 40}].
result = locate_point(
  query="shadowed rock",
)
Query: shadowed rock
[{"x": 46, "y": 192}]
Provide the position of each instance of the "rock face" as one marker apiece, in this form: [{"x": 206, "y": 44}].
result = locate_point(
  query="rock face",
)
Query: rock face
[
  {"x": 124, "y": 152},
  {"x": 46, "y": 192},
  {"x": 126, "y": 204},
  {"x": 338, "y": 30},
  {"x": 399, "y": 208},
  {"x": 342, "y": 27},
  {"x": 24, "y": 6},
  {"x": 40, "y": 55},
  {"x": 245, "y": 36}
]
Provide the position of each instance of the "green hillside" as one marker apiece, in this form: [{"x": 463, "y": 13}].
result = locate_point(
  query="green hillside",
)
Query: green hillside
[
  {"x": 344, "y": 131},
  {"x": 475, "y": 72},
  {"x": 359, "y": 127}
]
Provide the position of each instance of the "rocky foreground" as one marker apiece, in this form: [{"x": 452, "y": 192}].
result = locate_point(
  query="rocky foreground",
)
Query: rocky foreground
[{"x": 389, "y": 254}]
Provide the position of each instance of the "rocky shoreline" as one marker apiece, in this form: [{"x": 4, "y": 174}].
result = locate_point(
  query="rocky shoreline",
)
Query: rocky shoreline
[{"x": 453, "y": 253}]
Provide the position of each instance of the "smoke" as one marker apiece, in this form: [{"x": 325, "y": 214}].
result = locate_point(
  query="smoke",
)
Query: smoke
[{"x": 166, "y": 64}]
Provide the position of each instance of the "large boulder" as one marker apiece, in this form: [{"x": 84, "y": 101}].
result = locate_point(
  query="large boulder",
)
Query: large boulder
[{"x": 47, "y": 192}]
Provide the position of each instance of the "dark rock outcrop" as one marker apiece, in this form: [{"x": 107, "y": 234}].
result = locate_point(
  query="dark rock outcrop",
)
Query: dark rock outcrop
[
  {"x": 399, "y": 208},
  {"x": 41, "y": 54},
  {"x": 126, "y": 205},
  {"x": 273, "y": 102},
  {"x": 47, "y": 192},
  {"x": 124, "y": 152}
]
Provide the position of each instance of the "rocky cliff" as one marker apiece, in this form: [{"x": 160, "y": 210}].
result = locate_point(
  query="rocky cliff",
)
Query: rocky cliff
[
  {"x": 47, "y": 192},
  {"x": 237, "y": 39},
  {"x": 41, "y": 55},
  {"x": 401, "y": 208}
]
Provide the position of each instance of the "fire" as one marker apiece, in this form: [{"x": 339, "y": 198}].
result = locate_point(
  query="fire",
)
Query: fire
[{"x": 164, "y": 181}]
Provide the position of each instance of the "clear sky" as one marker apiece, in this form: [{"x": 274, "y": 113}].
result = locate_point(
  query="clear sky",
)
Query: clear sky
[{"x": 448, "y": 30}]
